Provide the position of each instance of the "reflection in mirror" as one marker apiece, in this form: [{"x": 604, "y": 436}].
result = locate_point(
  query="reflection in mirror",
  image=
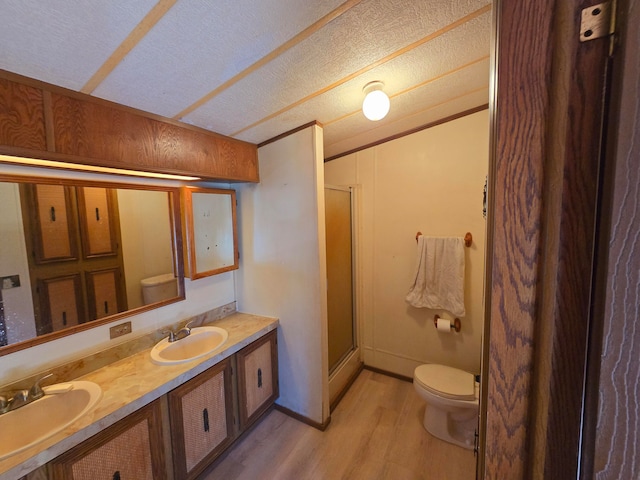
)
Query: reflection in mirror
[
  {"x": 74, "y": 255},
  {"x": 210, "y": 227}
]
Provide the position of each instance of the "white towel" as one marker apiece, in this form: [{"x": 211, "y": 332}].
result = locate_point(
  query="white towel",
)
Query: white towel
[{"x": 439, "y": 277}]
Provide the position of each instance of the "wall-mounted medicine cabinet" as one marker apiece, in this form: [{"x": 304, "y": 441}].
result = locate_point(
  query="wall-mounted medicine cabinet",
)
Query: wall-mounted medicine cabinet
[{"x": 210, "y": 231}]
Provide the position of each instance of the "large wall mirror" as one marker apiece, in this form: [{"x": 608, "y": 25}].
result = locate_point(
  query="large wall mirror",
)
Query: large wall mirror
[{"x": 76, "y": 254}]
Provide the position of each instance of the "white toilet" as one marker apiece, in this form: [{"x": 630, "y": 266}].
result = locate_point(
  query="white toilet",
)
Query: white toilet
[
  {"x": 451, "y": 413},
  {"x": 158, "y": 288}
]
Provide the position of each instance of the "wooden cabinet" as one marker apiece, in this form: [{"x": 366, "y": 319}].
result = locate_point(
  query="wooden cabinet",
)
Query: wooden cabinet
[
  {"x": 38, "y": 120},
  {"x": 21, "y": 116},
  {"x": 201, "y": 422},
  {"x": 96, "y": 214},
  {"x": 131, "y": 449},
  {"x": 61, "y": 303},
  {"x": 54, "y": 232},
  {"x": 201, "y": 414},
  {"x": 75, "y": 262},
  {"x": 257, "y": 378},
  {"x": 210, "y": 231}
]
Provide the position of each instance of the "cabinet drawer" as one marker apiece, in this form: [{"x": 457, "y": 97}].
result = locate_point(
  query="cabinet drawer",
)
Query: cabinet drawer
[
  {"x": 257, "y": 378},
  {"x": 201, "y": 414},
  {"x": 132, "y": 449}
]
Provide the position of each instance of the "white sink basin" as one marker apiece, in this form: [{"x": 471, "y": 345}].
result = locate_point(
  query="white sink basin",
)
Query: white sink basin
[
  {"x": 28, "y": 425},
  {"x": 200, "y": 342}
]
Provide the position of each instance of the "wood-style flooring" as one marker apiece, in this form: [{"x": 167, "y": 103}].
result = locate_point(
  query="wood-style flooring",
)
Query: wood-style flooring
[{"x": 375, "y": 433}]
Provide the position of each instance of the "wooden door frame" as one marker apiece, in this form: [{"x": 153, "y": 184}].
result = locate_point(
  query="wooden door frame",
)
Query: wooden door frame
[{"x": 546, "y": 131}]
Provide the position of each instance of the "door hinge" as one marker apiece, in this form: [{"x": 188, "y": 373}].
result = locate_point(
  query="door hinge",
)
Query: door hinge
[{"x": 597, "y": 21}]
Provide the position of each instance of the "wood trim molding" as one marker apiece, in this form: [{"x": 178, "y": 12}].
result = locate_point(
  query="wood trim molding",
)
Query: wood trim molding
[
  {"x": 546, "y": 147},
  {"x": 409, "y": 132},
  {"x": 290, "y": 132},
  {"x": 377, "y": 63},
  {"x": 301, "y": 418},
  {"x": 137, "y": 34},
  {"x": 522, "y": 76},
  {"x": 388, "y": 374},
  {"x": 300, "y": 37}
]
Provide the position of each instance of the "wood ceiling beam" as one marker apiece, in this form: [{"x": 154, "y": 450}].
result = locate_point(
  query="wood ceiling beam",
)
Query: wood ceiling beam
[
  {"x": 299, "y": 38},
  {"x": 137, "y": 34}
]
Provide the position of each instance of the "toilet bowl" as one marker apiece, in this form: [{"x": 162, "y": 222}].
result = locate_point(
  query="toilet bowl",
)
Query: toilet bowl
[
  {"x": 159, "y": 288},
  {"x": 451, "y": 396}
]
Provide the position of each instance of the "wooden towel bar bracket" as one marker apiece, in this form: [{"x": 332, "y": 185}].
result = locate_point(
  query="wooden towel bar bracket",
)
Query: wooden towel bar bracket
[
  {"x": 456, "y": 325},
  {"x": 468, "y": 238}
]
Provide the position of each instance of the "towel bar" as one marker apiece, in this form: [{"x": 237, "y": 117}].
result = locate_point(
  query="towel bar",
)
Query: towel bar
[{"x": 468, "y": 238}]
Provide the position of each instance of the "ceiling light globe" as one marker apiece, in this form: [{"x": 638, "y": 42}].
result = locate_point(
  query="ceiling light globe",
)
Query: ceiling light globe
[{"x": 375, "y": 105}]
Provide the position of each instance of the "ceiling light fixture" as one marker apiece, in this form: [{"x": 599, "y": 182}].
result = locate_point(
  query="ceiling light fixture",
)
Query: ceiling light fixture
[{"x": 376, "y": 103}]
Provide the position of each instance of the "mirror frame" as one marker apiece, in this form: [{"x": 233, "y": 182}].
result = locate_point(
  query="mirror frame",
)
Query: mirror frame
[
  {"x": 176, "y": 240},
  {"x": 186, "y": 196}
]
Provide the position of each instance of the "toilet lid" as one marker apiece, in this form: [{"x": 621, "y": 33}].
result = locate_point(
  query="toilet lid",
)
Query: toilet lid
[{"x": 446, "y": 381}]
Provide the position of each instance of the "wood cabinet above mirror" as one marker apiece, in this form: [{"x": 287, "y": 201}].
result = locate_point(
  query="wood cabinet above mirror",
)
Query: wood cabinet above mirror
[
  {"x": 211, "y": 242},
  {"x": 76, "y": 254},
  {"x": 43, "y": 121}
]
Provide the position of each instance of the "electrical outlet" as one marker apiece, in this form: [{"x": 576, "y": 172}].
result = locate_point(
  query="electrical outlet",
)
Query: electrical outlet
[
  {"x": 120, "y": 330},
  {"x": 11, "y": 281}
]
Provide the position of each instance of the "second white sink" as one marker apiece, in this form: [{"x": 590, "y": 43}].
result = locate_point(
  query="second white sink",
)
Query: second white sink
[
  {"x": 37, "y": 421},
  {"x": 200, "y": 342}
]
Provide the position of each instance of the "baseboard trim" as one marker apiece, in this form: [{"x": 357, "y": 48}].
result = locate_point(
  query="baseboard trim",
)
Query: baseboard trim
[
  {"x": 301, "y": 418},
  {"x": 389, "y": 374}
]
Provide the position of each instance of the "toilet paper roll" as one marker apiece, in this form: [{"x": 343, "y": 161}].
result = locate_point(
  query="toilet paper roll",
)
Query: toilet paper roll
[{"x": 444, "y": 325}]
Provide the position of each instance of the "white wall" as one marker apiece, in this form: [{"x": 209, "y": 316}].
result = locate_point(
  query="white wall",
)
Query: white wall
[
  {"x": 432, "y": 182},
  {"x": 283, "y": 273},
  {"x": 18, "y": 303}
]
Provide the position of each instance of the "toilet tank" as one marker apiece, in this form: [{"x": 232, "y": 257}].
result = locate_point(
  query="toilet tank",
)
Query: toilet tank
[{"x": 158, "y": 288}]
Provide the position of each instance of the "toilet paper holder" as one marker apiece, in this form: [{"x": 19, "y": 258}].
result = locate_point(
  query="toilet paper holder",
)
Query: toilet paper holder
[{"x": 456, "y": 325}]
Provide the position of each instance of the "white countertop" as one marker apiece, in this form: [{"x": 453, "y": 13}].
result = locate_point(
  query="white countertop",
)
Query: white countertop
[{"x": 131, "y": 383}]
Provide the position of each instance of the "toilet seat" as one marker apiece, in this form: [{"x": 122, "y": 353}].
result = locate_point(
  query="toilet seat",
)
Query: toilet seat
[{"x": 448, "y": 382}]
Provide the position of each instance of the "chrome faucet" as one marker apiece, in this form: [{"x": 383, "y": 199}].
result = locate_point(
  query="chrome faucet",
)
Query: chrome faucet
[
  {"x": 174, "y": 336},
  {"x": 22, "y": 397}
]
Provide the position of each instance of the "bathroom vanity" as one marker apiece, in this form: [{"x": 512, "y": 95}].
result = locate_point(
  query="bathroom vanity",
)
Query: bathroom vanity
[{"x": 164, "y": 421}]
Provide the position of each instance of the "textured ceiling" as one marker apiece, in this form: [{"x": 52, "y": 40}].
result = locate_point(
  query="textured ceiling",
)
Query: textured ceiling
[{"x": 255, "y": 69}]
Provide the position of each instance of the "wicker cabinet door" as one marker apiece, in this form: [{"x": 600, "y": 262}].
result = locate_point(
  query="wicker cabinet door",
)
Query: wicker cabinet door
[
  {"x": 95, "y": 213},
  {"x": 132, "y": 449},
  {"x": 201, "y": 413},
  {"x": 61, "y": 303},
  {"x": 257, "y": 378},
  {"x": 103, "y": 292},
  {"x": 54, "y": 223}
]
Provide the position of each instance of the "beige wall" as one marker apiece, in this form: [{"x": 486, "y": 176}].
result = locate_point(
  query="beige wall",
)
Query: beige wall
[
  {"x": 432, "y": 182},
  {"x": 283, "y": 273},
  {"x": 145, "y": 226}
]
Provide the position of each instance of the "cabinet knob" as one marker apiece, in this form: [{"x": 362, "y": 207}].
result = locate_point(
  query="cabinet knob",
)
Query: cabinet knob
[
  {"x": 52, "y": 214},
  {"x": 116, "y": 475},
  {"x": 259, "y": 378}
]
